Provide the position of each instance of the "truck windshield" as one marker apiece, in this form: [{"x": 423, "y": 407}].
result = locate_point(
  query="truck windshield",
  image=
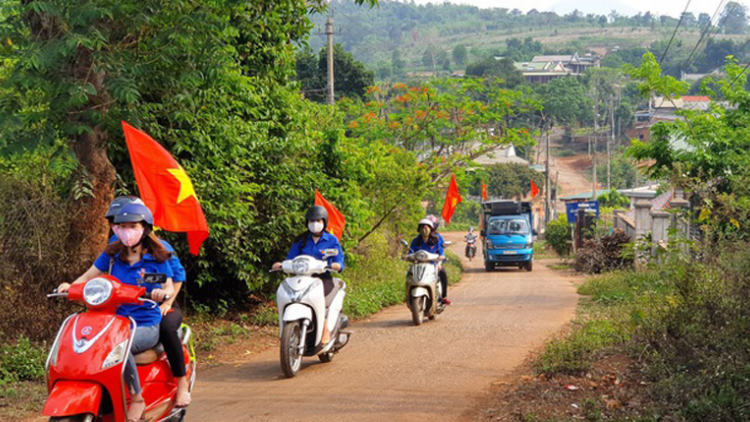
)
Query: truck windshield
[{"x": 507, "y": 226}]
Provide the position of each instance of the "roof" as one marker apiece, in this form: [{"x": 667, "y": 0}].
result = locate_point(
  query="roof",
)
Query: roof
[
  {"x": 556, "y": 58},
  {"x": 693, "y": 98},
  {"x": 504, "y": 155}
]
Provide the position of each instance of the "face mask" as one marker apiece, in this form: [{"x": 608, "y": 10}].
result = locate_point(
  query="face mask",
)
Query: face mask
[
  {"x": 130, "y": 236},
  {"x": 315, "y": 227}
]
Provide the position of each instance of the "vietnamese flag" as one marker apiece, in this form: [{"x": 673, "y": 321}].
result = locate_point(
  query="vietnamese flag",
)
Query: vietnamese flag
[
  {"x": 484, "y": 192},
  {"x": 336, "y": 220},
  {"x": 452, "y": 199},
  {"x": 166, "y": 188},
  {"x": 534, "y": 190}
]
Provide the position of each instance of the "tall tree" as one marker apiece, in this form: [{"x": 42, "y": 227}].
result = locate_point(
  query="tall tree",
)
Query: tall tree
[
  {"x": 459, "y": 54},
  {"x": 734, "y": 18}
]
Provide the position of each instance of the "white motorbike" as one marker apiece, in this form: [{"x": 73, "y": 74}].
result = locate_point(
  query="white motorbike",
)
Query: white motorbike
[
  {"x": 423, "y": 289},
  {"x": 302, "y": 306}
]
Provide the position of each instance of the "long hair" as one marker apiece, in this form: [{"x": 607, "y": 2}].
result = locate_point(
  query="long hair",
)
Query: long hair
[{"x": 151, "y": 244}]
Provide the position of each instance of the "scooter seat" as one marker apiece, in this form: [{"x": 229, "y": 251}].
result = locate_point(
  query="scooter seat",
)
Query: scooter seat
[{"x": 149, "y": 356}]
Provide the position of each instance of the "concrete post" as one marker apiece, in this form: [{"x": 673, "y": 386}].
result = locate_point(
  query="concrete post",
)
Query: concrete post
[
  {"x": 660, "y": 230},
  {"x": 642, "y": 227},
  {"x": 681, "y": 222}
]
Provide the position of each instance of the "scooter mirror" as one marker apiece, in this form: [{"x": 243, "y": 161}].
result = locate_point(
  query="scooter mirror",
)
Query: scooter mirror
[
  {"x": 330, "y": 252},
  {"x": 404, "y": 242},
  {"x": 448, "y": 243}
]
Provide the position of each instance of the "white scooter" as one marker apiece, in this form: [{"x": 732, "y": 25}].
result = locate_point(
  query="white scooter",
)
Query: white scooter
[
  {"x": 423, "y": 289},
  {"x": 302, "y": 308}
]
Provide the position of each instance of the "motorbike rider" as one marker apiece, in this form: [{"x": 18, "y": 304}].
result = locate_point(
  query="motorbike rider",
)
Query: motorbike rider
[
  {"x": 429, "y": 240},
  {"x": 314, "y": 242},
  {"x": 441, "y": 273},
  {"x": 136, "y": 252},
  {"x": 470, "y": 238},
  {"x": 171, "y": 313}
]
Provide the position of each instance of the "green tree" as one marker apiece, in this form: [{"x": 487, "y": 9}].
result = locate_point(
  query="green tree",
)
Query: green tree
[
  {"x": 734, "y": 18},
  {"x": 512, "y": 180},
  {"x": 502, "y": 69},
  {"x": 460, "y": 53},
  {"x": 351, "y": 78},
  {"x": 566, "y": 101}
]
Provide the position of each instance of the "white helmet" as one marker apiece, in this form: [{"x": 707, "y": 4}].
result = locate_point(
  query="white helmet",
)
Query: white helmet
[{"x": 426, "y": 222}]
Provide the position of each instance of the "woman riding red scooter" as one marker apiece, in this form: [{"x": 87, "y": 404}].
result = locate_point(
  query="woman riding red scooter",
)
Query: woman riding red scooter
[{"x": 137, "y": 252}]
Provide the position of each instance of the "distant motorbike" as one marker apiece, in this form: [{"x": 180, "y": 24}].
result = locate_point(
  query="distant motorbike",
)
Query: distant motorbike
[
  {"x": 471, "y": 248},
  {"x": 423, "y": 290},
  {"x": 302, "y": 308}
]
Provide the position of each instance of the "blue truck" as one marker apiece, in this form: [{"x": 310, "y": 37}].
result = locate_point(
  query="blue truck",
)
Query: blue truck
[{"x": 507, "y": 234}]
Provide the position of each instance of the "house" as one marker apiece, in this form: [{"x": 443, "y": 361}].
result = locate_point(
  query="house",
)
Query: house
[
  {"x": 576, "y": 64},
  {"x": 663, "y": 109},
  {"x": 542, "y": 72}
]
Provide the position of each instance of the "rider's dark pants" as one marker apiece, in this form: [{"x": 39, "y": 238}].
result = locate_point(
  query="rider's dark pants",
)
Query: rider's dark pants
[
  {"x": 170, "y": 323},
  {"x": 443, "y": 281}
]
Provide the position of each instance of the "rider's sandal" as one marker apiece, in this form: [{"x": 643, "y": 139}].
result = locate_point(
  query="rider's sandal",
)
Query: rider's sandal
[{"x": 140, "y": 418}]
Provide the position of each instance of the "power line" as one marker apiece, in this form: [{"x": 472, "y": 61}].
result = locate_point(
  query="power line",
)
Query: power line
[
  {"x": 706, "y": 31},
  {"x": 744, "y": 69},
  {"x": 682, "y": 17}
]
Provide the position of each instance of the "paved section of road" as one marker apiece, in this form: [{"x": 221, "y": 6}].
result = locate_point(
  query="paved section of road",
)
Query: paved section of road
[{"x": 394, "y": 371}]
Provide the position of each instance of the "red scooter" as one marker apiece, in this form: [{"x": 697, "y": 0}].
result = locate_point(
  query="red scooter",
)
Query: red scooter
[{"x": 86, "y": 363}]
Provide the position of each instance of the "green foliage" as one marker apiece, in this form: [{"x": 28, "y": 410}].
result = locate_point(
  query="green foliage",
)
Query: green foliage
[
  {"x": 558, "y": 235},
  {"x": 351, "y": 78},
  {"x": 21, "y": 361},
  {"x": 512, "y": 180},
  {"x": 565, "y": 101},
  {"x": 502, "y": 69},
  {"x": 613, "y": 199},
  {"x": 460, "y": 53}
]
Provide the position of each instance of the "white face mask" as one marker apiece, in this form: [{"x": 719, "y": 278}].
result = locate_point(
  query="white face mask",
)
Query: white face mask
[{"x": 315, "y": 227}]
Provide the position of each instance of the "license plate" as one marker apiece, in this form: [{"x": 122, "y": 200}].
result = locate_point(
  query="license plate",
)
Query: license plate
[{"x": 510, "y": 253}]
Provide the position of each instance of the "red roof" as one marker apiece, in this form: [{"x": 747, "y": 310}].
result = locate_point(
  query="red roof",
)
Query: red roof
[{"x": 692, "y": 98}]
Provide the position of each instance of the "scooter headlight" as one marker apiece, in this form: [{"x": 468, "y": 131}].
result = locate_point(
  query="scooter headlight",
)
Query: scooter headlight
[
  {"x": 117, "y": 355},
  {"x": 97, "y": 291},
  {"x": 301, "y": 266},
  {"x": 421, "y": 256}
]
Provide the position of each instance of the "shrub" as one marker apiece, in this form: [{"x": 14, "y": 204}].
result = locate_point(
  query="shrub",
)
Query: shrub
[
  {"x": 21, "y": 361},
  {"x": 603, "y": 254},
  {"x": 558, "y": 235}
]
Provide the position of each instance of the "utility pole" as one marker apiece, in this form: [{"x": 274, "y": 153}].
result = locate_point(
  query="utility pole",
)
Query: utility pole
[
  {"x": 610, "y": 142},
  {"x": 593, "y": 153},
  {"x": 547, "y": 187},
  {"x": 329, "y": 88}
]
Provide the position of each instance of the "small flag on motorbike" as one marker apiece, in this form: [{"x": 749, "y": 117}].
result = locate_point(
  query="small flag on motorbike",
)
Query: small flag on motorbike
[
  {"x": 534, "y": 189},
  {"x": 452, "y": 199},
  {"x": 484, "y": 192},
  {"x": 336, "y": 220},
  {"x": 166, "y": 188}
]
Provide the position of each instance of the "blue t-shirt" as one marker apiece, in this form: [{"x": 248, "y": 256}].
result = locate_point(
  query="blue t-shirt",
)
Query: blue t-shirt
[
  {"x": 419, "y": 245},
  {"x": 174, "y": 261},
  {"x": 145, "y": 314},
  {"x": 309, "y": 247}
]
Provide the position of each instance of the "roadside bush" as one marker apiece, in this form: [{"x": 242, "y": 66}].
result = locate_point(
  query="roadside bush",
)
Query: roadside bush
[
  {"x": 21, "y": 361},
  {"x": 603, "y": 254},
  {"x": 558, "y": 235}
]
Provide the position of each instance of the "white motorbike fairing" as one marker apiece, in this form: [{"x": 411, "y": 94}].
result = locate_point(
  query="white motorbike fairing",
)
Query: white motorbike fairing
[
  {"x": 299, "y": 298},
  {"x": 419, "y": 291}
]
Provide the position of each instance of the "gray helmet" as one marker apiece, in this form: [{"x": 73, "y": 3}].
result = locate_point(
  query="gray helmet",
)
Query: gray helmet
[
  {"x": 316, "y": 212},
  {"x": 435, "y": 221},
  {"x": 136, "y": 213},
  {"x": 118, "y": 203}
]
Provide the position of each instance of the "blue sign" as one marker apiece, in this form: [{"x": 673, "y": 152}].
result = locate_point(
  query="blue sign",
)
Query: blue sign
[{"x": 573, "y": 207}]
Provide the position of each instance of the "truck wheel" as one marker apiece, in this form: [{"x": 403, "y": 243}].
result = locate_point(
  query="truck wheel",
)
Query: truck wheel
[
  {"x": 529, "y": 266},
  {"x": 489, "y": 266}
]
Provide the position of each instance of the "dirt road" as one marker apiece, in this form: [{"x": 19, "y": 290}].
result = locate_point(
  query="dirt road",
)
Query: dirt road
[{"x": 394, "y": 371}]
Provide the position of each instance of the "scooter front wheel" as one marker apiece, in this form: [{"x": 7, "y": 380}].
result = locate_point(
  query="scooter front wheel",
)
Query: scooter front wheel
[
  {"x": 291, "y": 358},
  {"x": 87, "y": 417},
  {"x": 417, "y": 313}
]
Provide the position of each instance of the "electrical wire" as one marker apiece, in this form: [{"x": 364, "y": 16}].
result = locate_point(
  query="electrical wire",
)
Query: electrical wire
[{"x": 682, "y": 17}]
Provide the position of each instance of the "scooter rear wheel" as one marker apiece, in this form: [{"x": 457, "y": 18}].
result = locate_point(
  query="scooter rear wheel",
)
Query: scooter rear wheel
[
  {"x": 88, "y": 417},
  {"x": 326, "y": 357},
  {"x": 417, "y": 313},
  {"x": 291, "y": 359}
]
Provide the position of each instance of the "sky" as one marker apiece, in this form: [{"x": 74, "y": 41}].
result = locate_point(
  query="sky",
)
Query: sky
[{"x": 627, "y": 7}]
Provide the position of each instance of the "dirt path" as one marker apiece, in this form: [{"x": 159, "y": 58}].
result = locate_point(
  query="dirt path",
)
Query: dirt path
[{"x": 392, "y": 370}]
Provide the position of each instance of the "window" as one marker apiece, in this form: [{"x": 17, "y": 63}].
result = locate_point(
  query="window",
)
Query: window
[{"x": 509, "y": 226}]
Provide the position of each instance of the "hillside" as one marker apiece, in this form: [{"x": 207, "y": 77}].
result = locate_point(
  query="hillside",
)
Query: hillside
[{"x": 373, "y": 35}]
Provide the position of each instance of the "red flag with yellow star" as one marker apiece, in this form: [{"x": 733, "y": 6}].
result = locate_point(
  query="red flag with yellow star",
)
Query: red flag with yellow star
[
  {"x": 452, "y": 199},
  {"x": 166, "y": 188}
]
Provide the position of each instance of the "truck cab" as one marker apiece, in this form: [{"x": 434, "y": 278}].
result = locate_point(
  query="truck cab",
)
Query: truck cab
[{"x": 507, "y": 234}]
